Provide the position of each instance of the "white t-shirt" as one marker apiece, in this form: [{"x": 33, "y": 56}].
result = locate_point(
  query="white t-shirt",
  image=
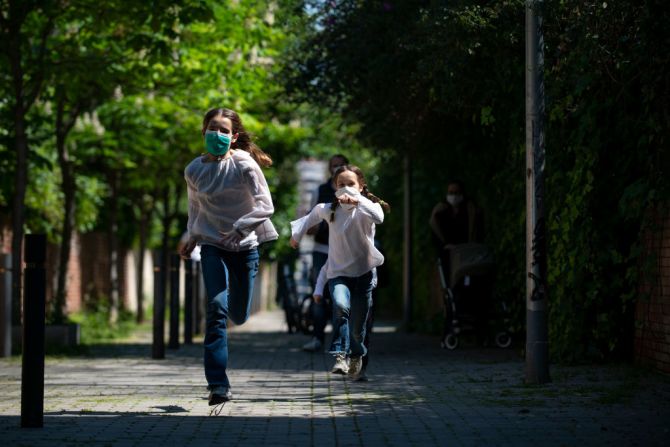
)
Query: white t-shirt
[
  {"x": 229, "y": 195},
  {"x": 351, "y": 248}
]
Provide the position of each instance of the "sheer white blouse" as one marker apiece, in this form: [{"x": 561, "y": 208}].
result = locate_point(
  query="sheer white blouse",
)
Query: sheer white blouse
[{"x": 229, "y": 195}]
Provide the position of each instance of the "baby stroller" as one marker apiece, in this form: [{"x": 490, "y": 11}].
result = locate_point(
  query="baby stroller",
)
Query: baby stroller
[{"x": 466, "y": 281}]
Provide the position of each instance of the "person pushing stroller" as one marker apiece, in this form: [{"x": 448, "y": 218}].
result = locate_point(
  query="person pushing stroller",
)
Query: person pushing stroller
[{"x": 457, "y": 226}]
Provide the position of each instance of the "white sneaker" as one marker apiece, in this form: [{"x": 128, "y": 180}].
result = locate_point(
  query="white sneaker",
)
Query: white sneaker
[
  {"x": 341, "y": 364},
  {"x": 313, "y": 345},
  {"x": 355, "y": 367}
]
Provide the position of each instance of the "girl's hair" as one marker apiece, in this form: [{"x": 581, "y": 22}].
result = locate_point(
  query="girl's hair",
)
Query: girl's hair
[
  {"x": 361, "y": 180},
  {"x": 243, "y": 139}
]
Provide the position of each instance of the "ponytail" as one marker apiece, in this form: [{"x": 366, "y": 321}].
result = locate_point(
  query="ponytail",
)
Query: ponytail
[
  {"x": 373, "y": 198},
  {"x": 259, "y": 156},
  {"x": 333, "y": 207}
]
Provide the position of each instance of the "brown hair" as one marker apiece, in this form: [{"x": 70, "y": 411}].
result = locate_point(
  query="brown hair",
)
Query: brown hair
[
  {"x": 243, "y": 139},
  {"x": 365, "y": 193}
]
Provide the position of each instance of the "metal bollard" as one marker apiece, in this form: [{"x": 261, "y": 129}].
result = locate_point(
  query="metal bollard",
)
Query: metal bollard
[
  {"x": 34, "y": 314},
  {"x": 188, "y": 302},
  {"x": 197, "y": 295},
  {"x": 158, "y": 346},
  {"x": 175, "y": 261},
  {"x": 5, "y": 305}
]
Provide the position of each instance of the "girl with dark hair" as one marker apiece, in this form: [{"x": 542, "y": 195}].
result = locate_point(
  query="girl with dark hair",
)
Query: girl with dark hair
[
  {"x": 321, "y": 309},
  {"x": 229, "y": 209},
  {"x": 352, "y": 257}
]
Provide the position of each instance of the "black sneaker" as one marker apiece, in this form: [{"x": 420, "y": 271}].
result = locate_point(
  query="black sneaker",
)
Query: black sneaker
[
  {"x": 355, "y": 367},
  {"x": 362, "y": 377},
  {"x": 219, "y": 395}
]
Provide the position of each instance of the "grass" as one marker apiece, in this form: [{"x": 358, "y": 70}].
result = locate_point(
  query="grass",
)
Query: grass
[{"x": 96, "y": 328}]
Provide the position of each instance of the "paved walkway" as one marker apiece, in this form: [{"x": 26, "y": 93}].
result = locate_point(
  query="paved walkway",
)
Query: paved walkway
[{"x": 418, "y": 395}]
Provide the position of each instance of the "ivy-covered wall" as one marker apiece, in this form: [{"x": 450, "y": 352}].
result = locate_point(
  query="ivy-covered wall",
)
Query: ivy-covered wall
[{"x": 652, "y": 313}]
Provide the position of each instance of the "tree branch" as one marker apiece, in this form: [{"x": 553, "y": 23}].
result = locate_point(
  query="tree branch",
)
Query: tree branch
[{"x": 37, "y": 87}]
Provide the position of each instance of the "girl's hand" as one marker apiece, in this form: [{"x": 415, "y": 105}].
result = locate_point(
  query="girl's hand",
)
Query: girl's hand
[
  {"x": 294, "y": 243},
  {"x": 231, "y": 238},
  {"x": 186, "y": 250},
  {"x": 347, "y": 199},
  {"x": 317, "y": 298}
]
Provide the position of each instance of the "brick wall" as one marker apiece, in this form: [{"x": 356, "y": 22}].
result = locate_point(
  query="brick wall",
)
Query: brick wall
[
  {"x": 94, "y": 259},
  {"x": 652, "y": 314},
  {"x": 88, "y": 269},
  {"x": 73, "y": 299}
]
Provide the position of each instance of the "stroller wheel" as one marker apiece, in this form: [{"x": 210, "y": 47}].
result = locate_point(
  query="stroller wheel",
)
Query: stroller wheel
[
  {"x": 450, "y": 342},
  {"x": 503, "y": 340}
]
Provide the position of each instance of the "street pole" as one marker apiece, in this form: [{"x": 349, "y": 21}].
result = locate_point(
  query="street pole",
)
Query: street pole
[
  {"x": 175, "y": 260},
  {"x": 537, "y": 333},
  {"x": 189, "y": 316}
]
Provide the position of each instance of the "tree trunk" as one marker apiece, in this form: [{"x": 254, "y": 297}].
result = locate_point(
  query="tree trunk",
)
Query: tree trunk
[
  {"x": 165, "y": 239},
  {"x": 146, "y": 212},
  {"x": 18, "y": 215},
  {"x": 13, "y": 20},
  {"x": 21, "y": 147},
  {"x": 69, "y": 187},
  {"x": 112, "y": 238}
]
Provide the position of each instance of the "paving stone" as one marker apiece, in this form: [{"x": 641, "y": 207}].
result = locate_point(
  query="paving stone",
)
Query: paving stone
[{"x": 418, "y": 394}]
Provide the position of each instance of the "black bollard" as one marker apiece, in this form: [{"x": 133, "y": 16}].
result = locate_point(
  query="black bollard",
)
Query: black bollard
[
  {"x": 198, "y": 299},
  {"x": 188, "y": 302},
  {"x": 158, "y": 346},
  {"x": 34, "y": 313},
  {"x": 5, "y": 305},
  {"x": 174, "y": 301}
]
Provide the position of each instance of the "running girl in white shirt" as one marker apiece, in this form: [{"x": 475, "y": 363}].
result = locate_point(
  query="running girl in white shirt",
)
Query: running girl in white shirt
[
  {"x": 229, "y": 209},
  {"x": 351, "y": 258}
]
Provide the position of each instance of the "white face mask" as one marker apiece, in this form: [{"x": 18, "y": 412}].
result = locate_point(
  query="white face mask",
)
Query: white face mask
[
  {"x": 350, "y": 191},
  {"x": 454, "y": 199}
]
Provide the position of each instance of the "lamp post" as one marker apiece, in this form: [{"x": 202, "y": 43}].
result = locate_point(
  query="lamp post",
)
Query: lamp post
[{"x": 537, "y": 333}]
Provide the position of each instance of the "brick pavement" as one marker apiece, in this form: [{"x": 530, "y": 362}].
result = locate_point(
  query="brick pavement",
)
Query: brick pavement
[{"x": 418, "y": 395}]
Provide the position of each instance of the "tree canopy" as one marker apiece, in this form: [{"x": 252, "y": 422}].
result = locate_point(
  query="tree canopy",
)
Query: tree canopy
[
  {"x": 444, "y": 82},
  {"x": 102, "y": 106}
]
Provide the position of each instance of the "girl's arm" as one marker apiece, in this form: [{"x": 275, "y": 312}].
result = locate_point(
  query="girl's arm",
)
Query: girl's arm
[
  {"x": 193, "y": 210},
  {"x": 193, "y": 207},
  {"x": 321, "y": 281},
  {"x": 371, "y": 209},
  {"x": 262, "y": 206},
  {"x": 299, "y": 227}
]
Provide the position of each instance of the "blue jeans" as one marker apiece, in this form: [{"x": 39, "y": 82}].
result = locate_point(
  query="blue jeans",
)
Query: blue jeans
[
  {"x": 229, "y": 281},
  {"x": 352, "y": 299}
]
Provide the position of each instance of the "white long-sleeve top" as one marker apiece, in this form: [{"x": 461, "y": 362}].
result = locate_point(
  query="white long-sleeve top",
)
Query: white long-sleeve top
[
  {"x": 229, "y": 195},
  {"x": 351, "y": 248}
]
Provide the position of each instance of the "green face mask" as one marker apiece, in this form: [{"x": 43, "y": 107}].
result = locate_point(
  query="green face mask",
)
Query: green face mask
[{"x": 217, "y": 143}]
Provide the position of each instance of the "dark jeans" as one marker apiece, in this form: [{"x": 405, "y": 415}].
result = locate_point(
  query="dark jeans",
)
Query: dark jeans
[{"x": 229, "y": 281}]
